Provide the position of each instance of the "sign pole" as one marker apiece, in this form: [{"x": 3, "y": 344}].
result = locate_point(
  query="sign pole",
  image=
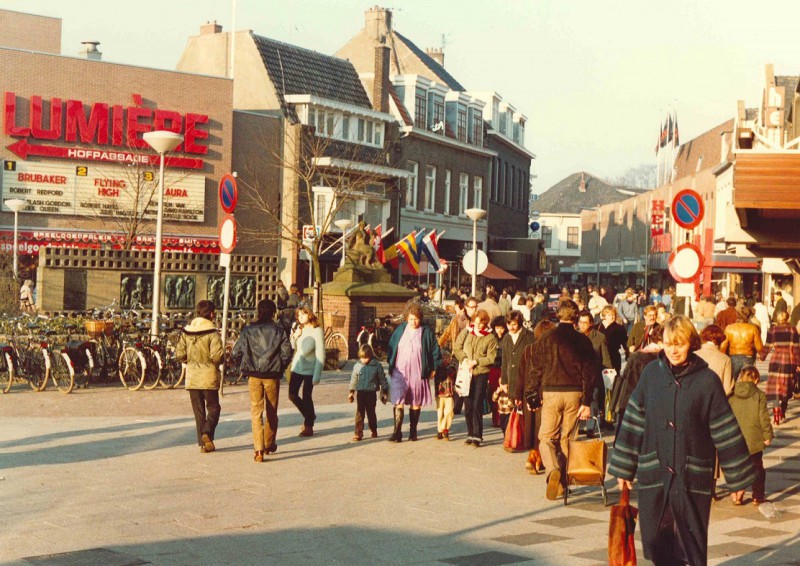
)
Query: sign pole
[
  {"x": 228, "y": 198},
  {"x": 226, "y": 300}
]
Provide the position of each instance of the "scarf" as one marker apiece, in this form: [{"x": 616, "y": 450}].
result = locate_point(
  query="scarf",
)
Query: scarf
[{"x": 479, "y": 333}]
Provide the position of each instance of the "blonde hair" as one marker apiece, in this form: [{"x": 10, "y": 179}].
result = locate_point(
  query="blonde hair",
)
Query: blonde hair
[
  {"x": 365, "y": 351},
  {"x": 682, "y": 329}
]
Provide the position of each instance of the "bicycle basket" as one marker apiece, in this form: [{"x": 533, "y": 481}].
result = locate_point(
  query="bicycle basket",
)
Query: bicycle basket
[
  {"x": 333, "y": 320},
  {"x": 96, "y": 327}
]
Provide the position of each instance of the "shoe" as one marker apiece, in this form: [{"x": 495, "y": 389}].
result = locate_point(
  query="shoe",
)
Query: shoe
[
  {"x": 258, "y": 456},
  {"x": 757, "y": 502},
  {"x": 468, "y": 440},
  {"x": 476, "y": 442},
  {"x": 374, "y": 434},
  {"x": 439, "y": 436},
  {"x": 553, "y": 485},
  {"x": 446, "y": 435},
  {"x": 272, "y": 449},
  {"x": 737, "y": 497},
  {"x": 307, "y": 431},
  {"x": 414, "y": 414},
  {"x": 208, "y": 444},
  {"x": 397, "y": 434},
  {"x": 357, "y": 438}
]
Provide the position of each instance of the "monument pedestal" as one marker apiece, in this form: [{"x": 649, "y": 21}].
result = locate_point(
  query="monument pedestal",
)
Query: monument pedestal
[{"x": 362, "y": 294}]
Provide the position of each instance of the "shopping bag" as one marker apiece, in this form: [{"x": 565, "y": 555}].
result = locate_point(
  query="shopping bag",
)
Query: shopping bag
[
  {"x": 513, "y": 437},
  {"x": 621, "y": 549},
  {"x": 463, "y": 380}
]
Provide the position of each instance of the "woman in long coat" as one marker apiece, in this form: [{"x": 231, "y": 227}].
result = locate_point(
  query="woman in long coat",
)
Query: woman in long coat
[
  {"x": 677, "y": 415},
  {"x": 784, "y": 342},
  {"x": 413, "y": 356}
]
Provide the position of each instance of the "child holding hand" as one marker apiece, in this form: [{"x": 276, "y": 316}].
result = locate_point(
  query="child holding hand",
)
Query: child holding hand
[
  {"x": 749, "y": 405},
  {"x": 367, "y": 379},
  {"x": 444, "y": 380}
]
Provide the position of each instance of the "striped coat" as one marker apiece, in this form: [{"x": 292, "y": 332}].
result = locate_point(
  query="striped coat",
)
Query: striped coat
[{"x": 672, "y": 424}]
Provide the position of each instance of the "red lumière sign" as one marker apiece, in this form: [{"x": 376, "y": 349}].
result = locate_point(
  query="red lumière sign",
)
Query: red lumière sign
[{"x": 101, "y": 124}]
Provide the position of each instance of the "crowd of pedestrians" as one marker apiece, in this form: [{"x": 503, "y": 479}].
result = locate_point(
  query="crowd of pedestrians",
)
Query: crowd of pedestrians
[{"x": 684, "y": 404}]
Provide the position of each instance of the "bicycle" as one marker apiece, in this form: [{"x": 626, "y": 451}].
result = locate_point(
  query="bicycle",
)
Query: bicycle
[
  {"x": 105, "y": 335},
  {"x": 336, "y": 348},
  {"x": 139, "y": 365},
  {"x": 31, "y": 356},
  {"x": 231, "y": 374},
  {"x": 378, "y": 336},
  {"x": 171, "y": 371}
]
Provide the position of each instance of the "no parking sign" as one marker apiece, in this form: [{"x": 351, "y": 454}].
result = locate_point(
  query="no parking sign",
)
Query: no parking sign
[{"x": 688, "y": 209}]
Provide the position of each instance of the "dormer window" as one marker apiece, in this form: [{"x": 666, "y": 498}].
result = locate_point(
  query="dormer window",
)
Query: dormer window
[{"x": 420, "y": 109}]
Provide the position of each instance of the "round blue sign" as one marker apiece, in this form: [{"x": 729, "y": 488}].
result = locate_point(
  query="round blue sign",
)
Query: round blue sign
[
  {"x": 534, "y": 226},
  {"x": 688, "y": 209},
  {"x": 228, "y": 193}
]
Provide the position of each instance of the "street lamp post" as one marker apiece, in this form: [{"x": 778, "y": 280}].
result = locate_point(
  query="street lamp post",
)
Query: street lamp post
[
  {"x": 344, "y": 225},
  {"x": 16, "y": 205},
  {"x": 162, "y": 141},
  {"x": 475, "y": 214}
]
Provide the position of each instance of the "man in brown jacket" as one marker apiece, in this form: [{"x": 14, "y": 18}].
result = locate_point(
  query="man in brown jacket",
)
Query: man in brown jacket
[
  {"x": 742, "y": 342},
  {"x": 728, "y": 315},
  {"x": 563, "y": 372}
]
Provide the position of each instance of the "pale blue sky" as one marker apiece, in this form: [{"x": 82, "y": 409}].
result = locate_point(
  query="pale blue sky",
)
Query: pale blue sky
[{"x": 593, "y": 77}]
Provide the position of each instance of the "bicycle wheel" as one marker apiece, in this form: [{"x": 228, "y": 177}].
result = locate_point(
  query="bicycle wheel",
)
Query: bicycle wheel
[
  {"x": 131, "y": 368},
  {"x": 61, "y": 371},
  {"x": 112, "y": 347},
  {"x": 337, "y": 342},
  {"x": 364, "y": 337},
  {"x": 83, "y": 374},
  {"x": 172, "y": 372},
  {"x": 6, "y": 373},
  {"x": 379, "y": 348},
  {"x": 38, "y": 367},
  {"x": 152, "y": 368}
]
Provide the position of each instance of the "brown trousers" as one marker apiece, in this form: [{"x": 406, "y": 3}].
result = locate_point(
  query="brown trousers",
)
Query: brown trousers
[
  {"x": 559, "y": 420},
  {"x": 264, "y": 399}
]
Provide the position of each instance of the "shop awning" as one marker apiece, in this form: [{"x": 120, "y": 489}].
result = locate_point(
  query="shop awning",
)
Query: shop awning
[{"x": 494, "y": 272}]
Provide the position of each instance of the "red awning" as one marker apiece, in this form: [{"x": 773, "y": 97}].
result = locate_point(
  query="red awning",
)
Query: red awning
[{"x": 494, "y": 272}]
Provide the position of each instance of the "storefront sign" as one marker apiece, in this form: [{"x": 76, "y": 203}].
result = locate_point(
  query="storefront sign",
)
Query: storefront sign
[
  {"x": 657, "y": 219},
  {"x": 101, "y": 124},
  {"x": 102, "y": 190}
]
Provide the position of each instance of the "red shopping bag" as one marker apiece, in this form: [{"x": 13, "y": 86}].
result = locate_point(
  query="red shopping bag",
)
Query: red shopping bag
[
  {"x": 513, "y": 438},
  {"x": 621, "y": 549}
]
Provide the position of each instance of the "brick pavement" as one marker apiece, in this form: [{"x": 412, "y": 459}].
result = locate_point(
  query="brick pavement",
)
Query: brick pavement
[{"x": 110, "y": 477}]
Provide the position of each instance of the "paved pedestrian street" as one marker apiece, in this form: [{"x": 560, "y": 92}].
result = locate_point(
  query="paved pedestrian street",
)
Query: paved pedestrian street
[{"x": 110, "y": 477}]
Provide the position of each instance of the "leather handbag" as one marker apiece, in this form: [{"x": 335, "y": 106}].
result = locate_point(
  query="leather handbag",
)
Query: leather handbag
[
  {"x": 534, "y": 400},
  {"x": 621, "y": 527}
]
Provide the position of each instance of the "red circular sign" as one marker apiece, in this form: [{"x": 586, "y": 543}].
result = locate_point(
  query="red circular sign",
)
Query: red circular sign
[
  {"x": 688, "y": 209},
  {"x": 227, "y": 234},
  {"x": 686, "y": 263},
  {"x": 228, "y": 193}
]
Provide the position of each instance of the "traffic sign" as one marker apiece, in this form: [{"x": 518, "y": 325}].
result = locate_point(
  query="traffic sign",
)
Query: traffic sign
[
  {"x": 686, "y": 263},
  {"x": 688, "y": 209},
  {"x": 228, "y": 193},
  {"x": 227, "y": 234},
  {"x": 309, "y": 232},
  {"x": 469, "y": 261},
  {"x": 534, "y": 226}
]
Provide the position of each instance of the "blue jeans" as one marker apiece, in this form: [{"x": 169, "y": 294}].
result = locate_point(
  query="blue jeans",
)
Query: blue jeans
[
  {"x": 739, "y": 361},
  {"x": 473, "y": 405}
]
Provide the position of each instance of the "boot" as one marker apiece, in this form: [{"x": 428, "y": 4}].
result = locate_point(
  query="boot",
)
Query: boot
[
  {"x": 397, "y": 435},
  {"x": 414, "y": 413}
]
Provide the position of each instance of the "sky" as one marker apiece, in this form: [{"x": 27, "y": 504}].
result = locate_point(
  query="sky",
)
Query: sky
[{"x": 594, "y": 78}]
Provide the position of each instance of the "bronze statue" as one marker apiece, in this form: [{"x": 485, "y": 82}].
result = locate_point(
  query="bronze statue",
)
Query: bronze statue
[{"x": 359, "y": 249}]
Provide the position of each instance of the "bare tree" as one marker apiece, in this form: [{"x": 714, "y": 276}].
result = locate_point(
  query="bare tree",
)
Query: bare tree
[
  {"x": 322, "y": 180},
  {"x": 639, "y": 177}
]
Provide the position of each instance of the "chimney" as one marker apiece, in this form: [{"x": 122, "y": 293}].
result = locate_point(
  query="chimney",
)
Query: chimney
[
  {"x": 90, "y": 51},
  {"x": 582, "y": 187},
  {"x": 380, "y": 84},
  {"x": 210, "y": 28},
  {"x": 437, "y": 54},
  {"x": 378, "y": 23}
]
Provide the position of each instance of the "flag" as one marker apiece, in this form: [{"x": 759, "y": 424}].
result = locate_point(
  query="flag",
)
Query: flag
[
  {"x": 408, "y": 247},
  {"x": 377, "y": 244},
  {"x": 431, "y": 249},
  {"x": 670, "y": 130},
  {"x": 677, "y": 139},
  {"x": 658, "y": 141},
  {"x": 663, "y": 139},
  {"x": 390, "y": 255}
]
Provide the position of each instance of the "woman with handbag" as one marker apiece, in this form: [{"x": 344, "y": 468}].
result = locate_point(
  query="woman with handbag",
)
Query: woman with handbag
[
  {"x": 476, "y": 346},
  {"x": 413, "y": 356}
]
